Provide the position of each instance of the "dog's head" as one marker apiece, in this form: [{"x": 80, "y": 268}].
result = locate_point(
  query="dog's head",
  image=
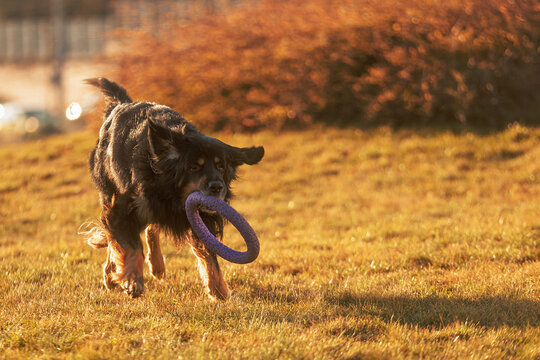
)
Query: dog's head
[{"x": 197, "y": 162}]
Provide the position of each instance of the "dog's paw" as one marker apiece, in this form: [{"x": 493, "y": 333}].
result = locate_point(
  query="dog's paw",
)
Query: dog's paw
[
  {"x": 157, "y": 267},
  {"x": 133, "y": 287},
  {"x": 219, "y": 293},
  {"x": 158, "y": 273}
]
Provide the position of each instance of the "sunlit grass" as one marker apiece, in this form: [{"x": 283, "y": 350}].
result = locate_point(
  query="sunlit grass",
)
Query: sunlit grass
[{"x": 374, "y": 244}]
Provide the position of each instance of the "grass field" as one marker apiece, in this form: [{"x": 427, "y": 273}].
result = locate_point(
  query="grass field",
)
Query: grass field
[{"x": 374, "y": 244}]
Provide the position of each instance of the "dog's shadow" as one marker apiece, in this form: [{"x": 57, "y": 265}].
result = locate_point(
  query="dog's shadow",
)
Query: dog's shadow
[
  {"x": 434, "y": 312},
  {"x": 424, "y": 312}
]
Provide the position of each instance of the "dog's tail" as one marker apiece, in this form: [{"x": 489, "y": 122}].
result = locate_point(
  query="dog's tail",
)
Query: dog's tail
[
  {"x": 95, "y": 234},
  {"x": 114, "y": 94},
  {"x": 98, "y": 233}
]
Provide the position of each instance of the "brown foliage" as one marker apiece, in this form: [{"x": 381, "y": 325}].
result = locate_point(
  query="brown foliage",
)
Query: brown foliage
[{"x": 282, "y": 64}]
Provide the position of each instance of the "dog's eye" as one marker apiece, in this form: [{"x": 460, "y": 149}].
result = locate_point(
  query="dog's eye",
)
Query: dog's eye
[
  {"x": 195, "y": 167},
  {"x": 220, "y": 166}
]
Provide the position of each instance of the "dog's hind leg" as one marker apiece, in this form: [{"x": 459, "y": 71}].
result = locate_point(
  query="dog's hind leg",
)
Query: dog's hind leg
[
  {"x": 154, "y": 258},
  {"x": 210, "y": 271}
]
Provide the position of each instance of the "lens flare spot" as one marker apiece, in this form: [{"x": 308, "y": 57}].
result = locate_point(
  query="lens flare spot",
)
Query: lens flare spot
[
  {"x": 31, "y": 124},
  {"x": 73, "y": 111}
]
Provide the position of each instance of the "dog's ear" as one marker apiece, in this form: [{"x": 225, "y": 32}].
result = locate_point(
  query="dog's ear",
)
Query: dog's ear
[
  {"x": 251, "y": 155},
  {"x": 161, "y": 141}
]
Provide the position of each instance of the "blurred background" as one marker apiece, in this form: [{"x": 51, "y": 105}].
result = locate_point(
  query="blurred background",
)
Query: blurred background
[{"x": 235, "y": 65}]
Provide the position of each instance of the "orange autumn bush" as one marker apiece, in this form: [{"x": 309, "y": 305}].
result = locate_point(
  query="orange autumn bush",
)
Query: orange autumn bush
[{"x": 287, "y": 64}]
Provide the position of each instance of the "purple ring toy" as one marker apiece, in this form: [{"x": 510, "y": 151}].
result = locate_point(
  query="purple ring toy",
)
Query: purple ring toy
[{"x": 194, "y": 201}]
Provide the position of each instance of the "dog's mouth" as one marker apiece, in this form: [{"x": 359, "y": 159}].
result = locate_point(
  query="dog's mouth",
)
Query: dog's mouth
[
  {"x": 207, "y": 210},
  {"x": 219, "y": 196}
]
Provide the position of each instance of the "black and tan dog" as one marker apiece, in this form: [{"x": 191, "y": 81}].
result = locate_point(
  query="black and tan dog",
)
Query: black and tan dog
[{"x": 147, "y": 160}]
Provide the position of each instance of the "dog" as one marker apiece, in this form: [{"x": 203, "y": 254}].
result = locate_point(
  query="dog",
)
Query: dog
[{"x": 148, "y": 159}]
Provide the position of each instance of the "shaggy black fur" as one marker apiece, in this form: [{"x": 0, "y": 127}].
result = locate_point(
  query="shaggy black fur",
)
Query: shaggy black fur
[{"x": 148, "y": 159}]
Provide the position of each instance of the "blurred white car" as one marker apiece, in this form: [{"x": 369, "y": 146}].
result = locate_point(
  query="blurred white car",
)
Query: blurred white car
[{"x": 18, "y": 121}]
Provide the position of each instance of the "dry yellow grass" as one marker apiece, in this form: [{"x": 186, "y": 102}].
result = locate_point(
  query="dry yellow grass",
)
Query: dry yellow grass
[{"x": 374, "y": 244}]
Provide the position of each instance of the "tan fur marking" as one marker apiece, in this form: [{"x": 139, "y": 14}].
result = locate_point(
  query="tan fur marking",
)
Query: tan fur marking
[
  {"x": 108, "y": 268},
  {"x": 125, "y": 268},
  {"x": 154, "y": 258},
  {"x": 210, "y": 272},
  {"x": 191, "y": 187}
]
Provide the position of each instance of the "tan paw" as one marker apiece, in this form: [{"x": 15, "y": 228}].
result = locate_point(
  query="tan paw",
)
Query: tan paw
[
  {"x": 219, "y": 293},
  {"x": 133, "y": 287},
  {"x": 157, "y": 267}
]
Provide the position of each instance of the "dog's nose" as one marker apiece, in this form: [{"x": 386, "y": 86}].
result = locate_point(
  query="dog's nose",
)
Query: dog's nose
[{"x": 215, "y": 187}]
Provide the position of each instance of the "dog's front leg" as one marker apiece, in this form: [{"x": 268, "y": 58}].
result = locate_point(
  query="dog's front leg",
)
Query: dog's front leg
[
  {"x": 154, "y": 258},
  {"x": 210, "y": 271}
]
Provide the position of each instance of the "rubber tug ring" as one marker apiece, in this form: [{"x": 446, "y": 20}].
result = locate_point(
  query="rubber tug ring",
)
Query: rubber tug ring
[{"x": 193, "y": 203}]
